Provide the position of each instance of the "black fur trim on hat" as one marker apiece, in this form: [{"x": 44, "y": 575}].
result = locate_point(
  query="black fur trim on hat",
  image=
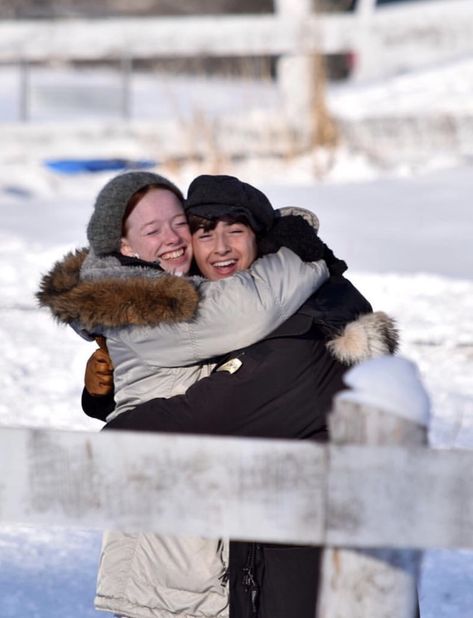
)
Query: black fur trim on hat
[
  {"x": 104, "y": 230},
  {"x": 212, "y": 197}
]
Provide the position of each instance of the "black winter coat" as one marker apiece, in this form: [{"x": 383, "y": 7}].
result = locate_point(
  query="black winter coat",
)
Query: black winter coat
[{"x": 280, "y": 387}]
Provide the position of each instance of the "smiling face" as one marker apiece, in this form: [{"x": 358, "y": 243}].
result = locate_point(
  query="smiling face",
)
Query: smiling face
[
  {"x": 224, "y": 250},
  {"x": 156, "y": 230}
]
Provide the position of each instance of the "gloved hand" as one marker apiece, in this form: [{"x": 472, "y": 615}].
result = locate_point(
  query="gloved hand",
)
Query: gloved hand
[
  {"x": 98, "y": 377},
  {"x": 295, "y": 233}
]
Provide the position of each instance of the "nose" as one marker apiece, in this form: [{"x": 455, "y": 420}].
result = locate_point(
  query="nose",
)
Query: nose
[
  {"x": 171, "y": 237},
  {"x": 221, "y": 245}
]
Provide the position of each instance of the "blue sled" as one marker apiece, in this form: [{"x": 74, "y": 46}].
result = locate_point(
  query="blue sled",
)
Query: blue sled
[{"x": 81, "y": 166}]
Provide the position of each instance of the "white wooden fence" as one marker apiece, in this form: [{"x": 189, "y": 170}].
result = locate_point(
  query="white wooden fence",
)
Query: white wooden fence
[
  {"x": 382, "y": 39},
  {"x": 286, "y": 491},
  {"x": 374, "y": 497}
]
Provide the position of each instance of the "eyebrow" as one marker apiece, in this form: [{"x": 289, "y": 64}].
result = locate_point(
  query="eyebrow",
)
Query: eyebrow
[
  {"x": 158, "y": 222},
  {"x": 148, "y": 224}
]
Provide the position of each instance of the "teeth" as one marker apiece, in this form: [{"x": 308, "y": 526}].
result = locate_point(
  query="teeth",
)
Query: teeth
[
  {"x": 225, "y": 263},
  {"x": 172, "y": 255}
]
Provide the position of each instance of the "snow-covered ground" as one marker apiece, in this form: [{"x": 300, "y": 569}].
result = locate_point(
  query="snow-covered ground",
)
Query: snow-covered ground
[{"x": 406, "y": 238}]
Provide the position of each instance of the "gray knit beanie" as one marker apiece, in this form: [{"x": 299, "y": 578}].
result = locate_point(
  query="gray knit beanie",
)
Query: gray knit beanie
[{"x": 104, "y": 230}]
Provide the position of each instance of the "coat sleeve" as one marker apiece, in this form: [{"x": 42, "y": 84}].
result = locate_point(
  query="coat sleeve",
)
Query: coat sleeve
[
  {"x": 98, "y": 406},
  {"x": 233, "y": 312},
  {"x": 335, "y": 304}
]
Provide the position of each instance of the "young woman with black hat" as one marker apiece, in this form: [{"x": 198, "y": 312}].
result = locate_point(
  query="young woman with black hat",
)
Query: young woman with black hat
[
  {"x": 282, "y": 387},
  {"x": 160, "y": 331},
  {"x": 279, "y": 387}
]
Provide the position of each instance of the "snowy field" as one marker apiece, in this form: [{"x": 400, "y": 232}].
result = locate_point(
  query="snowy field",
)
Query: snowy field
[{"x": 406, "y": 238}]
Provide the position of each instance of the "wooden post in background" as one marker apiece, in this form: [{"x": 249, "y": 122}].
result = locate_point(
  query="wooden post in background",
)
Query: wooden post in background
[
  {"x": 296, "y": 71},
  {"x": 126, "y": 66},
  {"x": 386, "y": 406},
  {"x": 366, "y": 54},
  {"x": 24, "y": 108}
]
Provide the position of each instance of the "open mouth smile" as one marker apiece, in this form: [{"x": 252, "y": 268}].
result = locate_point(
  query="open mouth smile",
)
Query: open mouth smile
[
  {"x": 173, "y": 255},
  {"x": 224, "y": 263}
]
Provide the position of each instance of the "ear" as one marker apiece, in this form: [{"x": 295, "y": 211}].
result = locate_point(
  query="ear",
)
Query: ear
[{"x": 125, "y": 247}]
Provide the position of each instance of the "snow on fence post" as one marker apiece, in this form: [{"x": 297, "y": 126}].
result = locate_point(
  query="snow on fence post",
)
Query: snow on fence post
[
  {"x": 387, "y": 405},
  {"x": 296, "y": 70}
]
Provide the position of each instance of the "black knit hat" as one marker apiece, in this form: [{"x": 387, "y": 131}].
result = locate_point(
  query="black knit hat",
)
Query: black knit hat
[
  {"x": 214, "y": 197},
  {"x": 104, "y": 230}
]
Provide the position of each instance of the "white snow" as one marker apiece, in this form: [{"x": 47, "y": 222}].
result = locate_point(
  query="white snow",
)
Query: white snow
[
  {"x": 438, "y": 89},
  {"x": 391, "y": 384},
  {"x": 405, "y": 235}
]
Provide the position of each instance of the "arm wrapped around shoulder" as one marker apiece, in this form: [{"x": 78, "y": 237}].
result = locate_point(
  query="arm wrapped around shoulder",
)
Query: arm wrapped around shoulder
[{"x": 295, "y": 233}]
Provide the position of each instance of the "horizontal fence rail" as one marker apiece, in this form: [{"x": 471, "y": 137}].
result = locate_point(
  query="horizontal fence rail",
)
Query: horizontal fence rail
[
  {"x": 419, "y": 31},
  {"x": 375, "y": 41},
  {"x": 169, "y": 37},
  {"x": 268, "y": 490}
]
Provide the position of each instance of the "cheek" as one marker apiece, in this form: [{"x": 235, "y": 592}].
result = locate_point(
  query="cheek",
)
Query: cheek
[
  {"x": 185, "y": 239},
  {"x": 199, "y": 256},
  {"x": 150, "y": 242},
  {"x": 250, "y": 252},
  {"x": 185, "y": 235},
  {"x": 148, "y": 247}
]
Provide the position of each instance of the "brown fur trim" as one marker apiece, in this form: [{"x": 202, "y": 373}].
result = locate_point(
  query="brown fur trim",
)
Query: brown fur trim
[
  {"x": 62, "y": 278},
  {"x": 371, "y": 335},
  {"x": 114, "y": 302}
]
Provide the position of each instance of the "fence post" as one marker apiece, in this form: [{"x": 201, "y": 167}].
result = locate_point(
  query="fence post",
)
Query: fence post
[
  {"x": 387, "y": 405},
  {"x": 367, "y": 58},
  {"x": 296, "y": 71},
  {"x": 126, "y": 64},
  {"x": 25, "y": 86}
]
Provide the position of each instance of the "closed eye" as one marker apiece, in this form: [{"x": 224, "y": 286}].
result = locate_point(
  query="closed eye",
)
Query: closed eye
[
  {"x": 236, "y": 229},
  {"x": 180, "y": 222}
]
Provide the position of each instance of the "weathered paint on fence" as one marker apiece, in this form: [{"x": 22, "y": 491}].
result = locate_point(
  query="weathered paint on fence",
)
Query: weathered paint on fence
[
  {"x": 360, "y": 496},
  {"x": 360, "y": 582},
  {"x": 169, "y": 484},
  {"x": 408, "y": 497}
]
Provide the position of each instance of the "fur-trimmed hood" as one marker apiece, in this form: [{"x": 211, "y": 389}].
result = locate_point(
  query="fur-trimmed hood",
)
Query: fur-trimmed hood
[
  {"x": 373, "y": 334},
  {"x": 101, "y": 292}
]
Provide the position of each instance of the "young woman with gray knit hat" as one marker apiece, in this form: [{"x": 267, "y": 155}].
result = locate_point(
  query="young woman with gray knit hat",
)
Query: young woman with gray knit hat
[
  {"x": 161, "y": 330},
  {"x": 233, "y": 222},
  {"x": 279, "y": 387}
]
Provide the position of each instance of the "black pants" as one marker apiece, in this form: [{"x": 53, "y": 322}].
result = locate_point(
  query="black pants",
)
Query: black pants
[{"x": 268, "y": 580}]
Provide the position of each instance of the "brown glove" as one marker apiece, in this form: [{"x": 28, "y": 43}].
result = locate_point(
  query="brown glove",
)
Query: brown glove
[{"x": 98, "y": 377}]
